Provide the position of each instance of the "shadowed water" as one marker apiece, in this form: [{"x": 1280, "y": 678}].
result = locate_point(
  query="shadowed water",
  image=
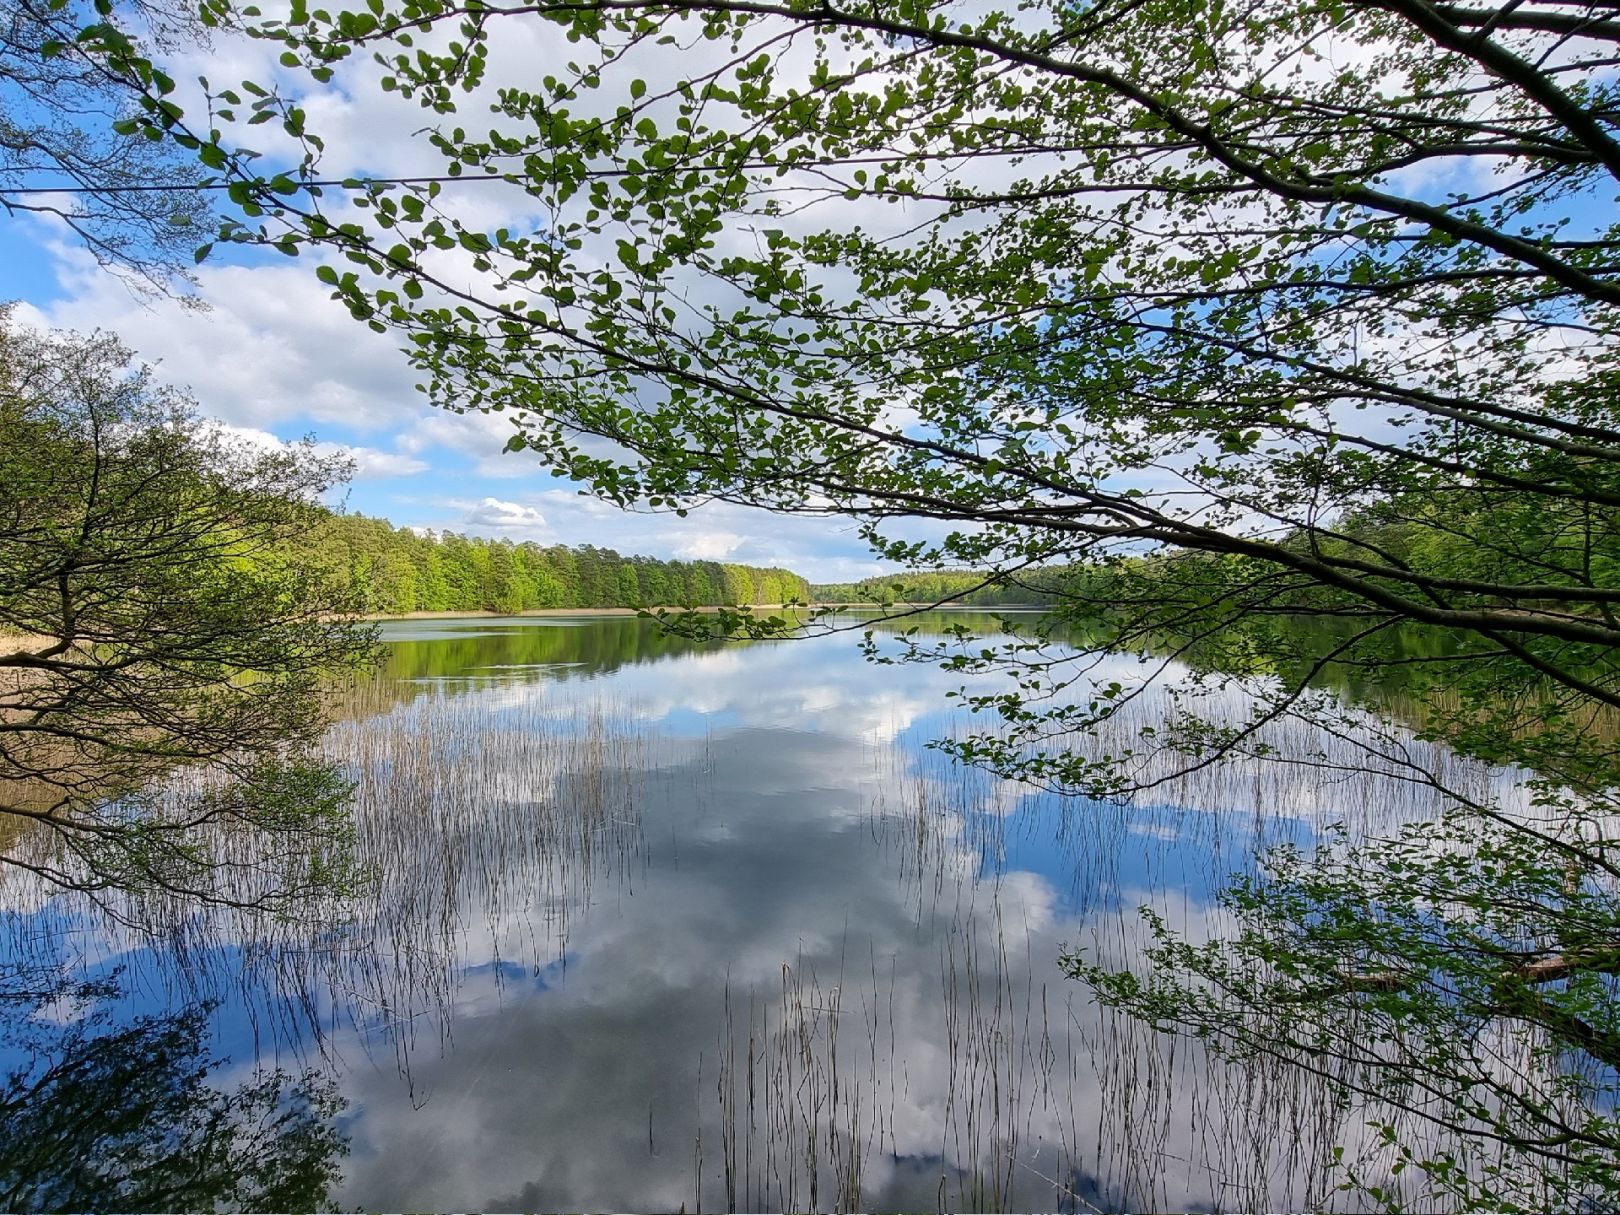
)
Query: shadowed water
[{"x": 654, "y": 925}]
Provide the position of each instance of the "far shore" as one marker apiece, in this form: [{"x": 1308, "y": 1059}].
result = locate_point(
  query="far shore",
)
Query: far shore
[
  {"x": 481, "y": 614},
  {"x": 488, "y": 615},
  {"x": 627, "y": 611},
  {"x": 10, "y": 643}
]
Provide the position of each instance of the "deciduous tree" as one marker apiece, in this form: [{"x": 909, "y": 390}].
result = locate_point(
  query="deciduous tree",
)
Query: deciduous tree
[{"x": 164, "y": 648}]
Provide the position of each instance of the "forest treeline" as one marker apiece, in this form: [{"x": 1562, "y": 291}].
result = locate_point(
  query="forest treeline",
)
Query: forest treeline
[
  {"x": 969, "y": 588},
  {"x": 393, "y": 570}
]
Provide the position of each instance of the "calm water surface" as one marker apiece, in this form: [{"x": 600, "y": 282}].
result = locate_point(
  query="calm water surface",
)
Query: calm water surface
[{"x": 658, "y": 926}]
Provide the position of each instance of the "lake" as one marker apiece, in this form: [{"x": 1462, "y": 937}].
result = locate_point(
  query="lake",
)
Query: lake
[{"x": 659, "y": 925}]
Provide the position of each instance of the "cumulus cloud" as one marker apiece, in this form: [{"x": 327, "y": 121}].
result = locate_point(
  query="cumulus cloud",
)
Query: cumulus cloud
[
  {"x": 273, "y": 348},
  {"x": 370, "y": 463},
  {"x": 709, "y": 546},
  {"x": 272, "y": 357},
  {"x": 478, "y": 437},
  {"x": 504, "y": 516}
]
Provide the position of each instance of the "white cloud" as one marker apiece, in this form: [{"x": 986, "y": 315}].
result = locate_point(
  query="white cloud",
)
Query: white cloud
[
  {"x": 370, "y": 463},
  {"x": 272, "y": 348},
  {"x": 709, "y": 546},
  {"x": 481, "y": 437},
  {"x": 504, "y": 516}
]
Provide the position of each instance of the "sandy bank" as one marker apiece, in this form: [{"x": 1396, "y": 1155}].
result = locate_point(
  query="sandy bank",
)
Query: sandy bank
[{"x": 10, "y": 643}]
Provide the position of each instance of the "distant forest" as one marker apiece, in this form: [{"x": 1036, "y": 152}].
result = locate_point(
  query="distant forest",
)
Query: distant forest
[
  {"x": 965, "y": 587},
  {"x": 393, "y": 570}
]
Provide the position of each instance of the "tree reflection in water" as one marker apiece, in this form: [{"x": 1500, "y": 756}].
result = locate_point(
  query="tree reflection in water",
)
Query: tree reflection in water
[{"x": 101, "y": 1114}]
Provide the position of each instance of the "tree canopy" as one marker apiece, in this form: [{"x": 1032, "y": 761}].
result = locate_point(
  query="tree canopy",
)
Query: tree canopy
[
  {"x": 132, "y": 203},
  {"x": 163, "y": 648},
  {"x": 393, "y": 570}
]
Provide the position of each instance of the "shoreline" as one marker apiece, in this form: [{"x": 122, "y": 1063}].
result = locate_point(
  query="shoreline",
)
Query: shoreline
[
  {"x": 12, "y": 642},
  {"x": 485, "y": 614},
  {"x": 541, "y": 613}
]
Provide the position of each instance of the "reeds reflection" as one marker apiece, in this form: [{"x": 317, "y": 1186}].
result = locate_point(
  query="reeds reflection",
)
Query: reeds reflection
[{"x": 649, "y": 925}]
